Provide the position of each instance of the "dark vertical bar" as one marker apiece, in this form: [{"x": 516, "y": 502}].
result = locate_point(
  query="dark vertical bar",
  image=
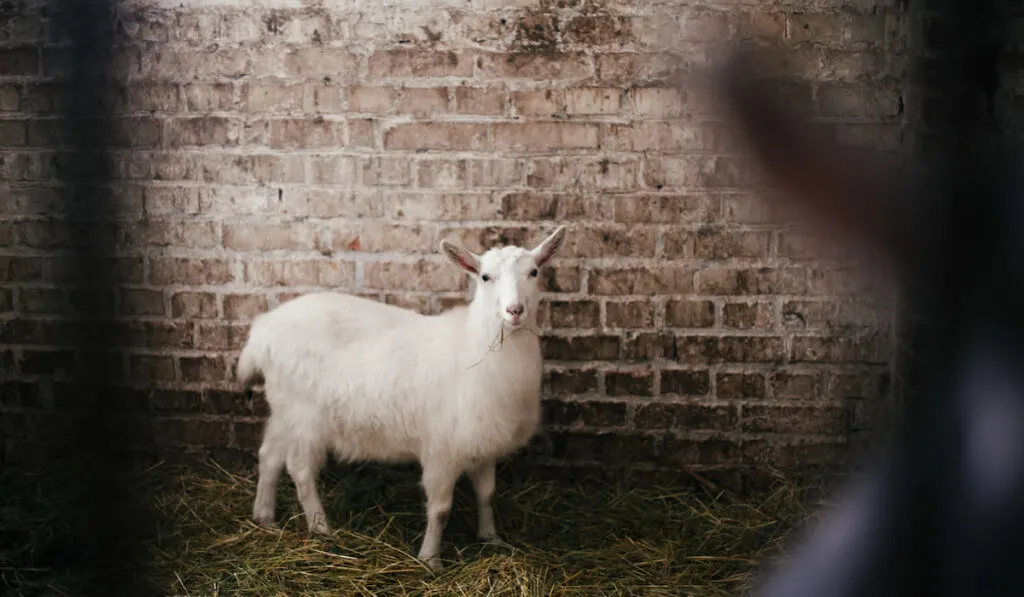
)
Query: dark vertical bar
[
  {"x": 905, "y": 528},
  {"x": 980, "y": 510},
  {"x": 105, "y": 518}
]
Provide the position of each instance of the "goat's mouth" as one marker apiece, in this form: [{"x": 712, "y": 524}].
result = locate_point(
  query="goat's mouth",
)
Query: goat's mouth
[{"x": 513, "y": 321}]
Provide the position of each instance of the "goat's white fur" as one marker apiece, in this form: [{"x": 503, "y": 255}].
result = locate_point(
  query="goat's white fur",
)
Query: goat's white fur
[{"x": 363, "y": 380}]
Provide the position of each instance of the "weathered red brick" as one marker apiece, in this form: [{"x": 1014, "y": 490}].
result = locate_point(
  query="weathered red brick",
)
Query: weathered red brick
[
  {"x": 738, "y": 349},
  {"x": 19, "y": 61},
  {"x": 656, "y": 102},
  {"x": 320, "y": 61},
  {"x": 203, "y": 130},
  {"x": 441, "y": 174},
  {"x": 387, "y": 171},
  {"x": 648, "y": 345},
  {"x": 142, "y": 301},
  {"x": 580, "y": 348},
  {"x": 244, "y": 306},
  {"x": 483, "y": 101},
  {"x": 740, "y": 385},
  {"x": 637, "y": 68},
  {"x": 629, "y": 383},
  {"x": 719, "y": 244},
  {"x": 761, "y": 25},
  {"x": 383, "y": 237},
  {"x": 153, "y": 334},
  {"x": 13, "y": 133},
  {"x": 570, "y": 381},
  {"x": 175, "y": 401},
  {"x": 689, "y": 314},
  {"x": 685, "y": 382},
  {"x": 203, "y": 369},
  {"x": 608, "y": 242},
  {"x": 536, "y": 206},
  {"x": 544, "y": 137},
  {"x": 725, "y": 281},
  {"x": 629, "y": 314},
  {"x": 424, "y": 102},
  {"x": 664, "y": 209},
  {"x": 179, "y": 270},
  {"x": 194, "y": 305},
  {"x": 144, "y": 367},
  {"x": 747, "y": 316},
  {"x": 660, "y": 280},
  {"x": 411, "y": 63},
  {"x": 695, "y": 416},
  {"x": 861, "y": 348},
  {"x": 807, "y": 315},
  {"x": 866, "y": 386},
  {"x": 422, "y": 275},
  {"x": 596, "y": 413},
  {"x": 538, "y": 102},
  {"x": 268, "y": 236},
  {"x": 221, "y": 336},
  {"x": 199, "y": 97},
  {"x": 571, "y": 314},
  {"x": 299, "y": 273},
  {"x": 528, "y": 65},
  {"x": 271, "y": 96},
  {"x": 314, "y": 133},
  {"x": 42, "y": 300},
  {"x": 437, "y": 136},
  {"x": 793, "y": 385},
  {"x": 816, "y": 420},
  {"x": 20, "y": 269},
  {"x": 790, "y": 456}
]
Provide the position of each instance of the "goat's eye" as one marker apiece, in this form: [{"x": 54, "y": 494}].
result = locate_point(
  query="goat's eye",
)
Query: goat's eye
[
  {"x": 485, "y": 278},
  {"x": 533, "y": 273}
]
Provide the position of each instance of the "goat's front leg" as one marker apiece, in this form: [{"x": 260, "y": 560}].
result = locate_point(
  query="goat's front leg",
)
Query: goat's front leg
[
  {"x": 439, "y": 485},
  {"x": 483, "y": 478}
]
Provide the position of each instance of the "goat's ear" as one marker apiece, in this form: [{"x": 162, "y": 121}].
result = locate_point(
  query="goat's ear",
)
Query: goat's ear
[
  {"x": 461, "y": 257},
  {"x": 543, "y": 252},
  {"x": 842, "y": 189}
]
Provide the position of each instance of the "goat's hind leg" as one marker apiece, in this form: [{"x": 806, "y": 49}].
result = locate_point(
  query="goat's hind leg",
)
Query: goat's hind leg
[
  {"x": 272, "y": 457},
  {"x": 304, "y": 464}
]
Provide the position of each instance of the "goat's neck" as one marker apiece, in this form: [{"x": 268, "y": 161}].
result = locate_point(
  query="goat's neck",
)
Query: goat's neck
[{"x": 485, "y": 333}]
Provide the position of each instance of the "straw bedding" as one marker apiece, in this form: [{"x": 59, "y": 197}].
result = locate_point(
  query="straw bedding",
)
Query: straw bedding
[{"x": 566, "y": 539}]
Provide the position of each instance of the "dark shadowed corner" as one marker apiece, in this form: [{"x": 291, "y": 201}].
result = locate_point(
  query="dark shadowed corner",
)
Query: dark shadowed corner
[{"x": 91, "y": 441}]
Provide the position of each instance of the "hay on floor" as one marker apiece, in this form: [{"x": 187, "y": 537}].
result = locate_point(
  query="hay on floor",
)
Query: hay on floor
[{"x": 567, "y": 540}]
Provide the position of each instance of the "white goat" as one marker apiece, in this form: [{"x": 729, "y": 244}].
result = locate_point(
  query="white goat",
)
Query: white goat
[{"x": 369, "y": 381}]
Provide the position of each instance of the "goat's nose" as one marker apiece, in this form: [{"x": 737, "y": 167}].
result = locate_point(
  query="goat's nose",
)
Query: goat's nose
[{"x": 516, "y": 309}]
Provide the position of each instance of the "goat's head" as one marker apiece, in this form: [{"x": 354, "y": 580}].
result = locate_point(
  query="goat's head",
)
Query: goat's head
[{"x": 507, "y": 278}]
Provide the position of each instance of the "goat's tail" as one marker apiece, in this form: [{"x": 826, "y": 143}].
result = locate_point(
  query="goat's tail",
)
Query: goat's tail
[{"x": 253, "y": 358}]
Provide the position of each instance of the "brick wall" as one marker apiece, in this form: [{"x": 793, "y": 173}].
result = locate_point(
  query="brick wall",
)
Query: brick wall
[{"x": 262, "y": 152}]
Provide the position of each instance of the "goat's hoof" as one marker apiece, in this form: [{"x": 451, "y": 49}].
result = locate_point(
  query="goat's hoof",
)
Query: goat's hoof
[
  {"x": 432, "y": 562},
  {"x": 265, "y": 521},
  {"x": 320, "y": 528}
]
